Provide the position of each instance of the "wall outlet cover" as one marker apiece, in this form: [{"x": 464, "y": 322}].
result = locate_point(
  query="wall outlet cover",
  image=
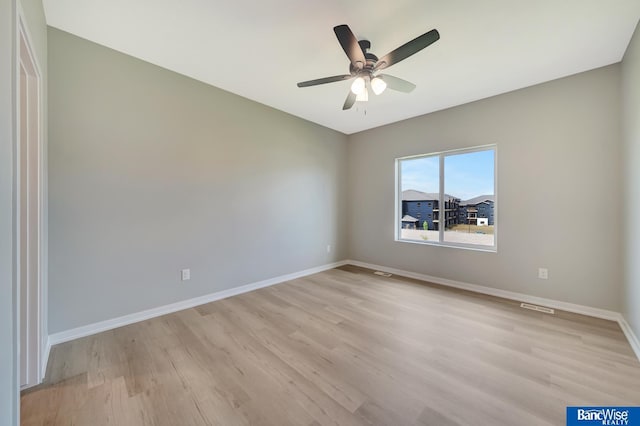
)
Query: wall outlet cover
[
  {"x": 543, "y": 273},
  {"x": 185, "y": 274}
]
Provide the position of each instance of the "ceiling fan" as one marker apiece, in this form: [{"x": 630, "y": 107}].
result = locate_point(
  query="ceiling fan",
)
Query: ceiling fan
[{"x": 364, "y": 66}]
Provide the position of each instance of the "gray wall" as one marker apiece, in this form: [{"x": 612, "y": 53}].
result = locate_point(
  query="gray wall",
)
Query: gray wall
[
  {"x": 631, "y": 150},
  {"x": 559, "y": 197},
  {"x": 151, "y": 172},
  {"x": 34, "y": 15}
]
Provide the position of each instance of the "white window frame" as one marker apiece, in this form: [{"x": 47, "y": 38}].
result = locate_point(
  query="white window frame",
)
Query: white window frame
[{"x": 441, "y": 156}]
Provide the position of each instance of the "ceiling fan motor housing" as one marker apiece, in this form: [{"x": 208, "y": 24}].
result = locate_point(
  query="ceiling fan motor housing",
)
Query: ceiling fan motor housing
[{"x": 371, "y": 60}]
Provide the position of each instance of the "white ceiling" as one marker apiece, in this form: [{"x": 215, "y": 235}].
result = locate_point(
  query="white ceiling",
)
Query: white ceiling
[{"x": 261, "y": 49}]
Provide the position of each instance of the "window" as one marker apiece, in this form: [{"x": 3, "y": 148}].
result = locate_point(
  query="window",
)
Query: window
[{"x": 461, "y": 181}]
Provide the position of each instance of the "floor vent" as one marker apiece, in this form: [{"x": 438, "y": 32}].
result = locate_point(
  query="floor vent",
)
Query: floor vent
[
  {"x": 537, "y": 308},
  {"x": 382, "y": 274}
]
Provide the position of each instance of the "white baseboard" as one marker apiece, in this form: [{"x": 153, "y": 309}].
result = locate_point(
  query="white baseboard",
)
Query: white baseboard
[
  {"x": 505, "y": 294},
  {"x": 521, "y": 297},
  {"x": 98, "y": 327},
  {"x": 87, "y": 330},
  {"x": 631, "y": 336}
]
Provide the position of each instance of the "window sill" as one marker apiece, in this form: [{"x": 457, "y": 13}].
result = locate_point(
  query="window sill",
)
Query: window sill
[{"x": 487, "y": 249}]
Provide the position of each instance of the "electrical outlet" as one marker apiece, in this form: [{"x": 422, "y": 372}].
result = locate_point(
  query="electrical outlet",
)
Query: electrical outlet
[
  {"x": 543, "y": 273},
  {"x": 328, "y": 248},
  {"x": 185, "y": 274}
]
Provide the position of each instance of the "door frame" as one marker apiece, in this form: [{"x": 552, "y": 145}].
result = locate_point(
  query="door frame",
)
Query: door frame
[{"x": 32, "y": 184}]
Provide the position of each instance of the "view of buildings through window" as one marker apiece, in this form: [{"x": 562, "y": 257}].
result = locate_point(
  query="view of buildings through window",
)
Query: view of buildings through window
[{"x": 461, "y": 210}]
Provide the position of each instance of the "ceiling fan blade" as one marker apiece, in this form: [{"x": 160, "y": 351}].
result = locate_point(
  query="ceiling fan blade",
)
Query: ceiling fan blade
[
  {"x": 351, "y": 99},
  {"x": 408, "y": 49},
  {"x": 350, "y": 45},
  {"x": 325, "y": 80},
  {"x": 395, "y": 83}
]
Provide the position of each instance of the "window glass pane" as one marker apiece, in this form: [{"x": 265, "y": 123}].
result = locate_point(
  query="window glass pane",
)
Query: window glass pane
[
  {"x": 469, "y": 196},
  {"x": 419, "y": 185}
]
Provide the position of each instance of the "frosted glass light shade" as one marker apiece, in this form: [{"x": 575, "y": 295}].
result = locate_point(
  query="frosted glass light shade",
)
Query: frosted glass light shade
[
  {"x": 358, "y": 86},
  {"x": 378, "y": 85},
  {"x": 363, "y": 96}
]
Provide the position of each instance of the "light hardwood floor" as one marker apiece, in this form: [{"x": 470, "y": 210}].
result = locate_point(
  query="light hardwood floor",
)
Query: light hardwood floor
[{"x": 343, "y": 347}]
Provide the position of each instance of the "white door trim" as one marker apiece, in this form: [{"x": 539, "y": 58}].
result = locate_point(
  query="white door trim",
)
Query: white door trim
[{"x": 30, "y": 206}]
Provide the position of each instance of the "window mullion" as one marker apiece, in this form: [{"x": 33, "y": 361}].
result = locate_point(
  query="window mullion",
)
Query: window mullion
[{"x": 442, "y": 211}]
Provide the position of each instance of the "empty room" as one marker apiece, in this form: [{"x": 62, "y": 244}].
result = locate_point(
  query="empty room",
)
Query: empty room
[{"x": 330, "y": 213}]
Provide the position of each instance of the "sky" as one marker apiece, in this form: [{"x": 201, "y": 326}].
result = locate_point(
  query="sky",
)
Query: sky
[{"x": 467, "y": 175}]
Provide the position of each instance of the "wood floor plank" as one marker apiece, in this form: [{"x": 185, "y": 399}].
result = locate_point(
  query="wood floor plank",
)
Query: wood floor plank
[{"x": 342, "y": 347}]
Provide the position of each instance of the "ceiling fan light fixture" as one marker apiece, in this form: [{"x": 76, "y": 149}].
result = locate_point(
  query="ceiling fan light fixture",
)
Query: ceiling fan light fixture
[
  {"x": 363, "y": 65},
  {"x": 363, "y": 96},
  {"x": 358, "y": 86},
  {"x": 378, "y": 85}
]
